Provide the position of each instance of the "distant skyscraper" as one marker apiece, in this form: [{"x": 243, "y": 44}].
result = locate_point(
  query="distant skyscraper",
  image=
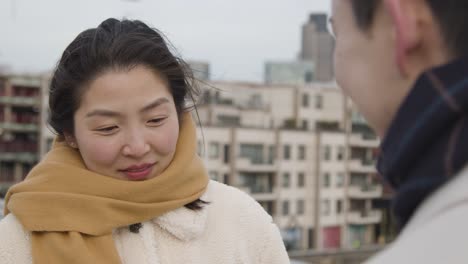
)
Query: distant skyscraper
[
  {"x": 320, "y": 20},
  {"x": 318, "y": 46}
]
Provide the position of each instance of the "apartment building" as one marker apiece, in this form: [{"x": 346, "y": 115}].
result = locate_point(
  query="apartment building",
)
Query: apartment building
[
  {"x": 20, "y": 99},
  {"x": 302, "y": 152}
]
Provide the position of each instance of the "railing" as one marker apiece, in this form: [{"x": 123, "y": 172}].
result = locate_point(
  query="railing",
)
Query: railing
[
  {"x": 349, "y": 256},
  {"x": 26, "y": 127},
  {"x": 358, "y": 165},
  {"x": 261, "y": 192},
  {"x": 19, "y": 146},
  {"x": 365, "y": 191},
  {"x": 30, "y": 82},
  {"x": 364, "y": 217},
  {"x": 259, "y": 188},
  {"x": 245, "y": 164},
  {"x": 364, "y": 140},
  {"x": 26, "y": 157},
  {"x": 18, "y": 100}
]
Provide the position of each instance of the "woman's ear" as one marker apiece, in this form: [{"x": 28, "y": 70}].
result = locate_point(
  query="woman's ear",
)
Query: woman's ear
[{"x": 71, "y": 141}]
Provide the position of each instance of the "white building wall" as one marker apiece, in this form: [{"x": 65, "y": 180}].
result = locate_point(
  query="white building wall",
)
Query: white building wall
[
  {"x": 292, "y": 193},
  {"x": 320, "y": 103}
]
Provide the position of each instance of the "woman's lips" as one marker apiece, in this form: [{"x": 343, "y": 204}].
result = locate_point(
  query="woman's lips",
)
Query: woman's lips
[{"x": 138, "y": 172}]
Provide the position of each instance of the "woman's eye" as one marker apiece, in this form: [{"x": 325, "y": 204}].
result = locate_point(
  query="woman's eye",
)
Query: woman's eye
[
  {"x": 109, "y": 129},
  {"x": 156, "y": 120}
]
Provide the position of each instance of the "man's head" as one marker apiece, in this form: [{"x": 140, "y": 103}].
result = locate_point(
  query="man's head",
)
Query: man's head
[{"x": 382, "y": 46}]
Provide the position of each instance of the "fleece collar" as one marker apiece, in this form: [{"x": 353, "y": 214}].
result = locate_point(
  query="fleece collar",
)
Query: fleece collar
[{"x": 186, "y": 224}]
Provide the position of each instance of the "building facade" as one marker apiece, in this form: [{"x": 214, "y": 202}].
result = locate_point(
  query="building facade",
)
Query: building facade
[
  {"x": 20, "y": 98},
  {"x": 302, "y": 152}
]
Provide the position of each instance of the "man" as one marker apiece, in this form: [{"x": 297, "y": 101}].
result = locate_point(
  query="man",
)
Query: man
[{"x": 404, "y": 64}]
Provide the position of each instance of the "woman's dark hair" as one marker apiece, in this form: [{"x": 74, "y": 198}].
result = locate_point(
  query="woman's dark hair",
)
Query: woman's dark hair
[
  {"x": 451, "y": 15},
  {"x": 115, "y": 45}
]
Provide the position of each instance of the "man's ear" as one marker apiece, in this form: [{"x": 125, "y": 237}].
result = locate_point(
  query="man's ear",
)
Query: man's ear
[
  {"x": 407, "y": 16},
  {"x": 70, "y": 139}
]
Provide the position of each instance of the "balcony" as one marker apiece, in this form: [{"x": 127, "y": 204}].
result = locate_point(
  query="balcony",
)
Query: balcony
[
  {"x": 5, "y": 186},
  {"x": 24, "y": 157},
  {"x": 245, "y": 164},
  {"x": 28, "y": 81},
  {"x": 20, "y": 101},
  {"x": 364, "y": 217},
  {"x": 19, "y": 127},
  {"x": 367, "y": 191},
  {"x": 363, "y": 140},
  {"x": 261, "y": 192},
  {"x": 362, "y": 166}
]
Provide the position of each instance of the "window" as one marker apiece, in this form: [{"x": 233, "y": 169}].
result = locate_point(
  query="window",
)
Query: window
[
  {"x": 271, "y": 154},
  {"x": 326, "y": 180},
  {"x": 341, "y": 153},
  {"x": 286, "y": 152},
  {"x": 325, "y": 207},
  {"x": 305, "y": 100},
  {"x": 340, "y": 178},
  {"x": 255, "y": 100},
  {"x": 308, "y": 77},
  {"x": 300, "y": 179},
  {"x": 302, "y": 152},
  {"x": 199, "y": 148},
  {"x": 286, "y": 180},
  {"x": 214, "y": 150},
  {"x": 213, "y": 175},
  {"x": 310, "y": 239},
  {"x": 49, "y": 143},
  {"x": 226, "y": 153},
  {"x": 285, "y": 207},
  {"x": 326, "y": 152},
  {"x": 339, "y": 206},
  {"x": 300, "y": 207},
  {"x": 318, "y": 101},
  {"x": 268, "y": 206},
  {"x": 7, "y": 172},
  {"x": 253, "y": 152},
  {"x": 229, "y": 121}
]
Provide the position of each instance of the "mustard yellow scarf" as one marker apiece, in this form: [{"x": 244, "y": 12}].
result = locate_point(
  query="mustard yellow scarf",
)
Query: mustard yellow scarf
[{"x": 71, "y": 211}]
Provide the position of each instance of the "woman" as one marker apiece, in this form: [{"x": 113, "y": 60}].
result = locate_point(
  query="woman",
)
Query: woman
[{"x": 123, "y": 183}]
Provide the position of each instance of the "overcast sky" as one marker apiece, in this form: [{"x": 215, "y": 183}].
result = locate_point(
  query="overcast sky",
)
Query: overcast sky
[{"x": 235, "y": 36}]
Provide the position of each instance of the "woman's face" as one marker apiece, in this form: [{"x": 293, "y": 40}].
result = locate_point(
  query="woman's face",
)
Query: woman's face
[{"x": 126, "y": 126}]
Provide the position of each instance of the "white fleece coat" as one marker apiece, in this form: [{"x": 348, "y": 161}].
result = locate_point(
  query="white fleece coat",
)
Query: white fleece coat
[
  {"x": 437, "y": 233},
  {"x": 233, "y": 228}
]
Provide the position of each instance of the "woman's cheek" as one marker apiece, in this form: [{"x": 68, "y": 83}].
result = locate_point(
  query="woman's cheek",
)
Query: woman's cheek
[
  {"x": 167, "y": 140},
  {"x": 102, "y": 152}
]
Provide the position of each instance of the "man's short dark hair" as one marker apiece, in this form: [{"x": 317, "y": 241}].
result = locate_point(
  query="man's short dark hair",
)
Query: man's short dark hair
[{"x": 451, "y": 15}]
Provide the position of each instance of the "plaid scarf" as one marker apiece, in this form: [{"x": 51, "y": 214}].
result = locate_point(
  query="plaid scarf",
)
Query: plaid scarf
[{"x": 427, "y": 143}]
